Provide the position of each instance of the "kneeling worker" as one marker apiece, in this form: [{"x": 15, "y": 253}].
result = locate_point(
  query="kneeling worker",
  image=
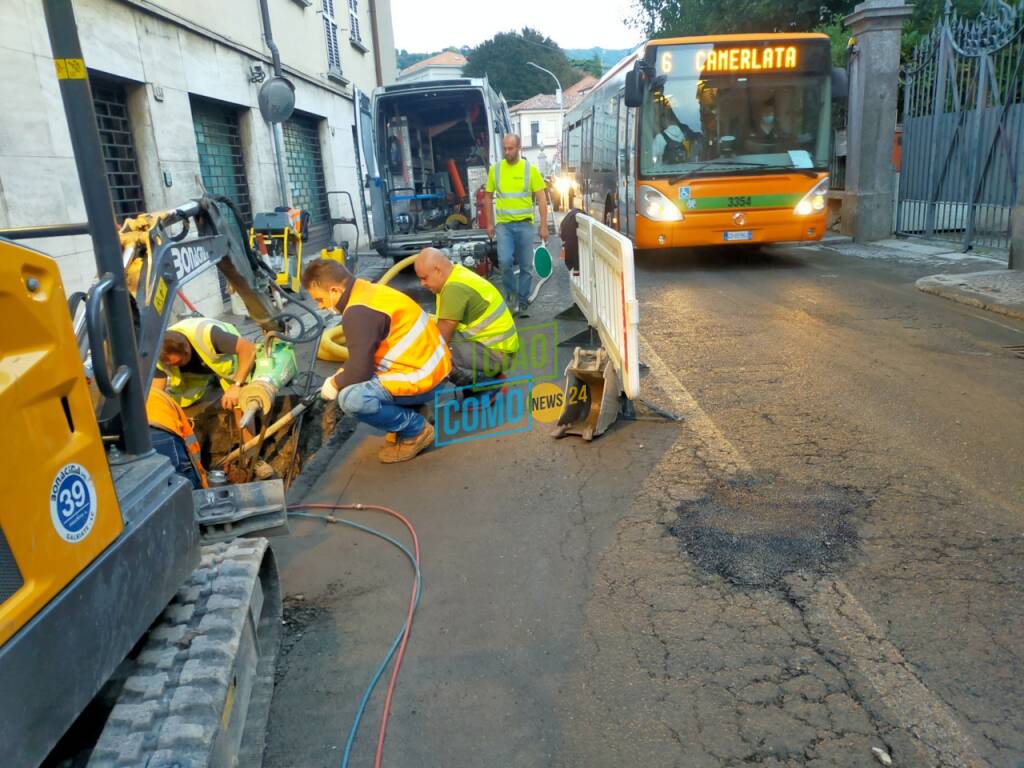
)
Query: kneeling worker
[
  {"x": 197, "y": 351},
  {"x": 472, "y": 317},
  {"x": 396, "y": 360}
]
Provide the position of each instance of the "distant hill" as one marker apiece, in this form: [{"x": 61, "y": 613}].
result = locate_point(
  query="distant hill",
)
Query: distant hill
[{"x": 607, "y": 56}]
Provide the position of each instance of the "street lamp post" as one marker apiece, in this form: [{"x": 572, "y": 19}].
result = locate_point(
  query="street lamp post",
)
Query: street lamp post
[{"x": 558, "y": 90}]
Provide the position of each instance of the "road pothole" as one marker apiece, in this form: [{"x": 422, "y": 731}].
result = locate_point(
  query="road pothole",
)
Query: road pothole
[{"x": 755, "y": 531}]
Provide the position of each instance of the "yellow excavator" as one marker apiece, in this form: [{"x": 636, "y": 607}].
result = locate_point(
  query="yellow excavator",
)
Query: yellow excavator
[{"x": 126, "y": 639}]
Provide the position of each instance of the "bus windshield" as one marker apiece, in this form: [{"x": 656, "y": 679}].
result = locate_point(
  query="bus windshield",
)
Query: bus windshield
[{"x": 717, "y": 108}]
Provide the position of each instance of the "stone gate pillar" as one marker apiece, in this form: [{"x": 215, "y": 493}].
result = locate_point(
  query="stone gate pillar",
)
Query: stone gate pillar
[{"x": 874, "y": 72}]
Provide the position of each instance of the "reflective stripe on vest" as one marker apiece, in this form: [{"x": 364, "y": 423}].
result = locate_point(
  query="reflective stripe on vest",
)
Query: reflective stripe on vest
[
  {"x": 494, "y": 327},
  {"x": 189, "y": 388},
  {"x": 163, "y": 412},
  {"x": 513, "y": 203},
  {"x": 414, "y": 358}
]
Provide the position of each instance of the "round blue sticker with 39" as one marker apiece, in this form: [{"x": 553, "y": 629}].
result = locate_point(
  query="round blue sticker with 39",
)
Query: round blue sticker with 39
[{"x": 73, "y": 503}]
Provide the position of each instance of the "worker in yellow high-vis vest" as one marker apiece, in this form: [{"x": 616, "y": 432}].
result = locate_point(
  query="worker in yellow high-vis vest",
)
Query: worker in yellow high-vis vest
[
  {"x": 512, "y": 185},
  {"x": 472, "y": 317}
]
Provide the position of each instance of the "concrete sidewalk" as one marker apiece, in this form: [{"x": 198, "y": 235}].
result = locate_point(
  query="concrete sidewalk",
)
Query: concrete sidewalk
[
  {"x": 1000, "y": 290},
  {"x": 978, "y": 278}
]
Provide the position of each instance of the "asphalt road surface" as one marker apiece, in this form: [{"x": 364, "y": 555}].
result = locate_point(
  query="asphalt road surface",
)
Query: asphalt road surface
[{"x": 824, "y": 558}]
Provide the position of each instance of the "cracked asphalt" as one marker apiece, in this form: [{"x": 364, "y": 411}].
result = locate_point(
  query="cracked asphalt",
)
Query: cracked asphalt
[{"x": 823, "y": 558}]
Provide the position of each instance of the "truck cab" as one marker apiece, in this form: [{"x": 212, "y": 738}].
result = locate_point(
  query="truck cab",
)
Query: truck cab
[{"x": 426, "y": 149}]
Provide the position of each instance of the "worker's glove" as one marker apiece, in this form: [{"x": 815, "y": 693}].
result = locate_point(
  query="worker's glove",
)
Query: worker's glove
[{"x": 329, "y": 391}]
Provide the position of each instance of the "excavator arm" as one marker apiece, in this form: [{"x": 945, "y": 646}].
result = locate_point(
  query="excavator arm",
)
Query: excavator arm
[{"x": 159, "y": 261}]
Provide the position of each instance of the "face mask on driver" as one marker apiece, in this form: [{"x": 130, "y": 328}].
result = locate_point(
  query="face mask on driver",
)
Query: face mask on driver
[{"x": 767, "y": 121}]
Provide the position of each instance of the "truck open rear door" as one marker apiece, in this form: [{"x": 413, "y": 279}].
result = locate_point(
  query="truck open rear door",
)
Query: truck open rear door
[{"x": 374, "y": 186}]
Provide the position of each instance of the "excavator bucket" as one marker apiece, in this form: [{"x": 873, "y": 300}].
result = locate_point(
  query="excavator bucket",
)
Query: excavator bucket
[{"x": 591, "y": 398}]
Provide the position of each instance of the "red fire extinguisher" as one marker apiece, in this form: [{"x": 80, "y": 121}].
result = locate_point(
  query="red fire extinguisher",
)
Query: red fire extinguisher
[{"x": 481, "y": 209}]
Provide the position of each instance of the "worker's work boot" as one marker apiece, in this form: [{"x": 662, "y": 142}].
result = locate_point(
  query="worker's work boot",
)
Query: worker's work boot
[
  {"x": 404, "y": 450},
  {"x": 391, "y": 438}
]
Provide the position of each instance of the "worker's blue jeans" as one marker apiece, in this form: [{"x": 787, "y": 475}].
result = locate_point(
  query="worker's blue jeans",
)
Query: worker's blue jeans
[
  {"x": 369, "y": 402},
  {"x": 173, "y": 447},
  {"x": 515, "y": 246}
]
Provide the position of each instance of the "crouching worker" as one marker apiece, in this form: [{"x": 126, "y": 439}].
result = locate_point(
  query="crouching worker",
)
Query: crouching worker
[
  {"x": 472, "y": 317},
  {"x": 172, "y": 435},
  {"x": 198, "y": 352},
  {"x": 396, "y": 357}
]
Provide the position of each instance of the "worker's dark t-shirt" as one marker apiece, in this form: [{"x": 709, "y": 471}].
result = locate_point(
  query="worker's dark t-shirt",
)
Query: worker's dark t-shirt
[
  {"x": 224, "y": 342},
  {"x": 365, "y": 330}
]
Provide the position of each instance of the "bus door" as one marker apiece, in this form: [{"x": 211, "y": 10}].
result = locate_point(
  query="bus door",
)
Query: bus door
[
  {"x": 626, "y": 170},
  {"x": 623, "y": 188},
  {"x": 631, "y": 177}
]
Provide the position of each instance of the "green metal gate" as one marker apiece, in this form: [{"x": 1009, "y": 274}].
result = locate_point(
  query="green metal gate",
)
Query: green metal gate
[
  {"x": 110, "y": 101},
  {"x": 306, "y": 177}
]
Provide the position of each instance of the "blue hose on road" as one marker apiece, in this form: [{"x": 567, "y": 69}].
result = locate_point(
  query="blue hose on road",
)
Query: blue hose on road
[{"x": 398, "y": 638}]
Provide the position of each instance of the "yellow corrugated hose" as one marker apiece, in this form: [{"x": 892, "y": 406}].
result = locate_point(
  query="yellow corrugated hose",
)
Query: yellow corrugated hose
[{"x": 332, "y": 342}]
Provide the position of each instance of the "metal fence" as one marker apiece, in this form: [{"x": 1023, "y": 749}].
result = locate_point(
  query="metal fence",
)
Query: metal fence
[{"x": 963, "y": 128}]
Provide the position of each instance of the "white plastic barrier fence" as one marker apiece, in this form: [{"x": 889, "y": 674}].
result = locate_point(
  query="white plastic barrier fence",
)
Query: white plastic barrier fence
[{"x": 605, "y": 290}]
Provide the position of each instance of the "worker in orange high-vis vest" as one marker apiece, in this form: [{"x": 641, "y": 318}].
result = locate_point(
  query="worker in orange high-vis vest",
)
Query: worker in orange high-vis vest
[
  {"x": 396, "y": 357},
  {"x": 172, "y": 435}
]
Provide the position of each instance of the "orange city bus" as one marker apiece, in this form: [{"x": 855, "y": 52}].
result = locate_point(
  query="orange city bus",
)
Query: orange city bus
[{"x": 706, "y": 141}]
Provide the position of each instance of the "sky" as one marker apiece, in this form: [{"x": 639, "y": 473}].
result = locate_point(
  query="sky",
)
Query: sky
[{"x": 422, "y": 26}]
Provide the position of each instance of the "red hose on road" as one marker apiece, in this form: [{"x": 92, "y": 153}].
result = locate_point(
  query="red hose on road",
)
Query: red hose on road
[{"x": 379, "y": 758}]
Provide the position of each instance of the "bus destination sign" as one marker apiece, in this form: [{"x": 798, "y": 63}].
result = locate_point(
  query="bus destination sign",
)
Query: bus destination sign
[{"x": 753, "y": 59}]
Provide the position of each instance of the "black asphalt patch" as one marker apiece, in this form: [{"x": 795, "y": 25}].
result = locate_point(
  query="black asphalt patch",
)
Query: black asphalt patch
[{"x": 755, "y": 531}]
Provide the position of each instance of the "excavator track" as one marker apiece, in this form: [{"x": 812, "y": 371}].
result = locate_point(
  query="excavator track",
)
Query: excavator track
[{"x": 197, "y": 695}]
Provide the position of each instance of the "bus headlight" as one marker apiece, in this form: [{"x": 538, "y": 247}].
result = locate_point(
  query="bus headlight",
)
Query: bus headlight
[
  {"x": 563, "y": 184},
  {"x": 655, "y": 206},
  {"x": 814, "y": 201}
]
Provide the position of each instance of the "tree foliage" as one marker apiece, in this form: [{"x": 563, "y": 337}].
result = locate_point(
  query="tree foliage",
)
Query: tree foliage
[
  {"x": 503, "y": 60},
  {"x": 659, "y": 18},
  {"x": 591, "y": 66}
]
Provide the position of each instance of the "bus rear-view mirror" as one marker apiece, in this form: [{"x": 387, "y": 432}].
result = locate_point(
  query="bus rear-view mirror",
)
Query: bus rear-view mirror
[{"x": 634, "y": 94}]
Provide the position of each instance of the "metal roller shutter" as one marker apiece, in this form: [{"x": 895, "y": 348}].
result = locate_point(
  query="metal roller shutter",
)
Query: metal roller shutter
[
  {"x": 306, "y": 177},
  {"x": 221, "y": 162}
]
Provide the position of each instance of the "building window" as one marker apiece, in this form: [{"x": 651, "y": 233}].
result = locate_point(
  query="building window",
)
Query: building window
[
  {"x": 534, "y": 134},
  {"x": 331, "y": 35},
  {"x": 110, "y": 102},
  {"x": 353, "y": 21}
]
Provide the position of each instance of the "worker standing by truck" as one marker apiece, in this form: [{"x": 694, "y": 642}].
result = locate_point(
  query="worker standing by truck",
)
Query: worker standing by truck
[
  {"x": 472, "y": 317},
  {"x": 397, "y": 357},
  {"x": 512, "y": 185}
]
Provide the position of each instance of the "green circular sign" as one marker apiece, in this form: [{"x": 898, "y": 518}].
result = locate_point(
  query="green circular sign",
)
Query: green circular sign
[{"x": 542, "y": 262}]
